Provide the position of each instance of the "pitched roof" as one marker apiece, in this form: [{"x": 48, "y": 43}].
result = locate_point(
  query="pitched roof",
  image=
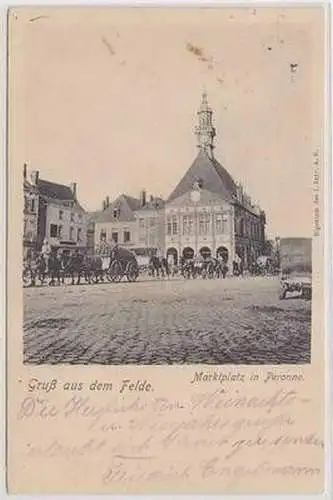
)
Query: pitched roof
[
  {"x": 56, "y": 191},
  {"x": 153, "y": 204},
  {"x": 126, "y": 205},
  {"x": 133, "y": 203},
  {"x": 214, "y": 177}
]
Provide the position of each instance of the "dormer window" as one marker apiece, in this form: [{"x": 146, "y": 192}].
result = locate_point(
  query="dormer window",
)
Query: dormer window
[{"x": 116, "y": 213}]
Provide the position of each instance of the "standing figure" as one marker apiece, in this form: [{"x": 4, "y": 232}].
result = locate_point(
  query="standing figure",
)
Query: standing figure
[{"x": 46, "y": 252}]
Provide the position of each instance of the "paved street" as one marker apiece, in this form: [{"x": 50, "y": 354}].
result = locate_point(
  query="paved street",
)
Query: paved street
[{"x": 160, "y": 322}]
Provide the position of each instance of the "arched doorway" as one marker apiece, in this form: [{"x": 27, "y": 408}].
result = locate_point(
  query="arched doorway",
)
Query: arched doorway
[
  {"x": 223, "y": 252},
  {"x": 172, "y": 254},
  {"x": 205, "y": 252},
  {"x": 188, "y": 253}
]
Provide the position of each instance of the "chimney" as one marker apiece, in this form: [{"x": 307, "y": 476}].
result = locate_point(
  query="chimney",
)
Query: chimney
[
  {"x": 103, "y": 205},
  {"x": 74, "y": 189},
  {"x": 151, "y": 197},
  {"x": 142, "y": 198},
  {"x": 107, "y": 202},
  {"x": 35, "y": 177},
  {"x": 25, "y": 171}
]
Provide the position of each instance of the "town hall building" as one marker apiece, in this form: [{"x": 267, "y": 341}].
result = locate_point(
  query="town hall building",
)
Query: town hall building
[{"x": 208, "y": 213}]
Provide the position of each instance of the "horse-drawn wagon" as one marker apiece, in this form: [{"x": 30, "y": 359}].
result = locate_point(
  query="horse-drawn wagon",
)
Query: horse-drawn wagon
[
  {"x": 123, "y": 262},
  {"x": 119, "y": 263},
  {"x": 296, "y": 267}
]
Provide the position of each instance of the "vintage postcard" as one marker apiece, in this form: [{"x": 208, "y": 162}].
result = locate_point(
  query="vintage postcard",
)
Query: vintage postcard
[{"x": 166, "y": 223}]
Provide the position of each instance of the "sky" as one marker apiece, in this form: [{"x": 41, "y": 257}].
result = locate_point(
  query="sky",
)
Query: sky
[{"x": 108, "y": 98}]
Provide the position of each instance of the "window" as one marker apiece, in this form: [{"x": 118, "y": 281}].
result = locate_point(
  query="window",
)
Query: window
[
  {"x": 241, "y": 227},
  {"x": 33, "y": 204},
  {"x": 127, "y": 236},
  {"x": 218, "y": 224},
  {"x": 60, "y": 232},
  {"x": 174, "y": 224},
  {"x": 152, "y": 221},
  {"x": 72, "y": 216},
  {"x": 225, "y": 221},
  {"x": 188, "y": 224},
  {"x": 114, "y": 237},
  {"x": 79, "y": 232},
  {"x": 169, "y": 226},
  {"x": 102, "y": 235},
  {"x": 185, "y": 224},
  {"x": 142, "y": 230},
  {"x": 61, "y": 214},
  {"x": 71, "y": 233},
  {"x": 116, "y": 213},
  {"x": 53, "y": 231},
  {"x": 204, "y": 223}
]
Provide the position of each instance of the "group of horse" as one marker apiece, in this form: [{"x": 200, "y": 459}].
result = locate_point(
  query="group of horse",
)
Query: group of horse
[
  {"x": 55, "y": 268},
  {"x": 209, "y": 268},
  {"x": 58, "y": 266}
]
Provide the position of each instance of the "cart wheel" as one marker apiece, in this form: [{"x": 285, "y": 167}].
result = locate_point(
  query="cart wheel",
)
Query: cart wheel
[{"x": 132, "y": 272}]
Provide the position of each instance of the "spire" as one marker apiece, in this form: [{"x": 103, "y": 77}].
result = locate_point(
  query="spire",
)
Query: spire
[{"x": 205, "y": 131}]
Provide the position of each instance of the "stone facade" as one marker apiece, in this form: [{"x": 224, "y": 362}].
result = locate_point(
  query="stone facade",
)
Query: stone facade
[
  {"x": 55, "y": 214},
  {"x": 134, "y": 223},
  {"x": 199, "y": 225},
  {"x": 208, "y": 213},
  {"x": 30, "y": 211}
]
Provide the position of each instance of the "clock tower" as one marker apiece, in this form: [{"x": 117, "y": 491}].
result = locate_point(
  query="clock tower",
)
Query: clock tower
[{"x": 205, "y": 131}]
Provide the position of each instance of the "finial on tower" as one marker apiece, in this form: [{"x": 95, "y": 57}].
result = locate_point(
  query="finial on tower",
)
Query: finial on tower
[
  {"x": 204, "y": 101},
  {"x": 205, "y": 130}
]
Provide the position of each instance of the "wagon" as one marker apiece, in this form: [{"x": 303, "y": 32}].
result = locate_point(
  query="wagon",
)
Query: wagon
[{"x": 123, "y": 262}]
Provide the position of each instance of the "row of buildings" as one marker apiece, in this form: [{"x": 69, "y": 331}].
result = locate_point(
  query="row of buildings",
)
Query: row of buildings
[{"x": 207, "y": 213}]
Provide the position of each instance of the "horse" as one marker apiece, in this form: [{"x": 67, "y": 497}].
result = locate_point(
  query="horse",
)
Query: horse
[
  {"x": 221, "y": 269},
  {"x": 93, "y": 268},
  {"x": 208, "y": 268},
  {"x": 237, "y": 268},
  {"x": 75, "y": 267},
  {"x": 188, "y": 269},
  {"x": 155, "y": 266},
  {"x": 55, "y": 269},
  {"x": 165, "y": 267}
]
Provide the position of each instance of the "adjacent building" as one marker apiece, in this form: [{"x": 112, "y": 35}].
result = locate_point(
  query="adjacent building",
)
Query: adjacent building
[
  {"x": 54, "y": 212},
  {"x": 135, "y": 223},
  {"x": 30, "y": 211},
  {"x": 208, "y": 213}
]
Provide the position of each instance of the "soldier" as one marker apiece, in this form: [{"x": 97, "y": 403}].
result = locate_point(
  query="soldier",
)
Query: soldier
[{"x": 46, "y": 252}]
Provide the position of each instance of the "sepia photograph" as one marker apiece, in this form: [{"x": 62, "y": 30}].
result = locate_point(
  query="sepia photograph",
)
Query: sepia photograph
[
  {"x": 167, "y": 173},
  {"x": 167, "y": 274}
]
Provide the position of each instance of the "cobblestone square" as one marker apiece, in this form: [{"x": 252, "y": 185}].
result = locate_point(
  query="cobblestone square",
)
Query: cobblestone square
[{"x": 232, "y": 321}]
